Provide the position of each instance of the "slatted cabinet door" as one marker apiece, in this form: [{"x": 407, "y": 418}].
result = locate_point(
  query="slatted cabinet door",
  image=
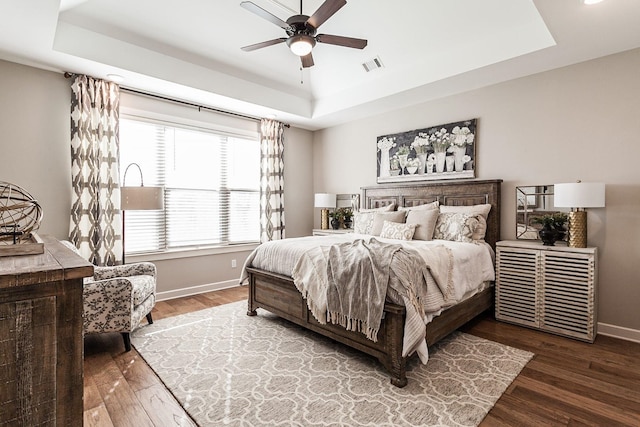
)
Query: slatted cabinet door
[
  {"x": 567, "y": 300},
  {"x": 516, "y": 281},
  {"x": 552, "y": 288}
]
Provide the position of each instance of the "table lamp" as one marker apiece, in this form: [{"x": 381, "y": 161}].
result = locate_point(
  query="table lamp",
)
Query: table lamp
[
  {"x": 578, "y": 196},
  {"x": 325, "y": 201}
]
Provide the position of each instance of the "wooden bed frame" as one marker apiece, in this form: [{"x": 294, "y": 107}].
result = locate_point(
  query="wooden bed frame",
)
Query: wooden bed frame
[{"x": 278, "y": 294}]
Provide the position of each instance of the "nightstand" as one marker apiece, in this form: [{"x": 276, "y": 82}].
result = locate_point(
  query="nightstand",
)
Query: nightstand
[
  {"x": 551, "y": 288},
  {"x": 330, "y": 231}
]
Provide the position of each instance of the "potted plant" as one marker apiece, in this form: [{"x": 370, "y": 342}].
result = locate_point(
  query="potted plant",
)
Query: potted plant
[
  {"x": 347, "y": 215},
  {"x": 336, "y": 218},
  {"x": 548, "y": 234},
  {"x": 559, "y": 221}
]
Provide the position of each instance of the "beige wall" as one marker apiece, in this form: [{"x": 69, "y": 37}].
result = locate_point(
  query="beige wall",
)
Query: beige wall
[
  {"x": 578, "y": 122},
  {"x": 35, "y": 154}
]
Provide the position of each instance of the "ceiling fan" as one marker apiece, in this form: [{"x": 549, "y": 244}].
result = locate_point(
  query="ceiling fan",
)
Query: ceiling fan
[{"x": 301, "y": 30}]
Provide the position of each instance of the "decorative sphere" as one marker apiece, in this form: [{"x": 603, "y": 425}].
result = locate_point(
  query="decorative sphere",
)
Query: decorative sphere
[{"x": 20, "y": 213}]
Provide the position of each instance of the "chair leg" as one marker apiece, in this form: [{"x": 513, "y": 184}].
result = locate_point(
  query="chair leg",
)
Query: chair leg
[
  {"x": 127, "y": 341},
  {"x": 149, "y": 318}
]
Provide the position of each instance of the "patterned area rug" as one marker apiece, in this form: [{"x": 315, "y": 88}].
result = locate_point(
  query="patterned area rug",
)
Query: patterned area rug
[{"x": 227, "y": 368}]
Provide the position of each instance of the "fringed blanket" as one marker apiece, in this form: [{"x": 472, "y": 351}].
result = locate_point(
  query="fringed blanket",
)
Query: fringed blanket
[
  {"x": 357, "y": 279},
  {"x": 347, "y": 284}
]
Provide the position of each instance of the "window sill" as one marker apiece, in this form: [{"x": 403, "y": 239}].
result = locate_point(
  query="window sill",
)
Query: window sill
[{"x": 189, "y": 253}]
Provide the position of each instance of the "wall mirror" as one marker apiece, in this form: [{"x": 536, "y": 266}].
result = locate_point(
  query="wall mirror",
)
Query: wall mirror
[
  {"x": 533, "y": 201},
  {"x": 348, "y": 201}
]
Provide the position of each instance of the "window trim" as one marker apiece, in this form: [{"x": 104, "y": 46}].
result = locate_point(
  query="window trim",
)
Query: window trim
[
  {"x": 162, "y": 119},
  {"x": 191, "y": 252}
]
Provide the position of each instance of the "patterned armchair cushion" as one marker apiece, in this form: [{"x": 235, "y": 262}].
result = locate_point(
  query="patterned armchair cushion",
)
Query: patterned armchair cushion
[
  {"x": 117, "y": 298},
  {"x": 127, "y": 270},
  {"x": 143, "y": 286},
  {"x": 107, "y": 306},
  {"x": 117, "y": 305}
]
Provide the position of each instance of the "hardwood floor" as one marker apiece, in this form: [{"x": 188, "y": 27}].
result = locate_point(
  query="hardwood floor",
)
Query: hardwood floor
[
  {"x": 121, "y": 390},
  {"x": 567, "y": 383}
]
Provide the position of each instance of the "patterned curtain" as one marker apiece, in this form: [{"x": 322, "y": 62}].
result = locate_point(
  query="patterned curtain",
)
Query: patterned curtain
[
  {"x": 271, "y": 180},
  {"x": 95, "y": 226}
]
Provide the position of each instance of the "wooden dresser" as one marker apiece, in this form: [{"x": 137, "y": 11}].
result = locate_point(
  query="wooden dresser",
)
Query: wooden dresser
[{"x": 41, "y": 344}]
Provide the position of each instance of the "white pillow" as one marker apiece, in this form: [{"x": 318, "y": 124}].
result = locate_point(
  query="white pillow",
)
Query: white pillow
[
  {"x": 425, "y": 221},
  {"x": 397, "y": 230},
  {"x": 425, "y": 207},
  {"x": 387, "y": 208},
  {"x": 380, "y": 218},
  {"x": 457, "y": 227},
  {"x": 482, "y": 210},
  {"x": 363, "y": 219}
]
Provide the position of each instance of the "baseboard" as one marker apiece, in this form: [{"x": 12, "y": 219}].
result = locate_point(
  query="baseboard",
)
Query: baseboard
[
  {"x": 194, "y": 290},
  {"x": 627, "y": 334}
]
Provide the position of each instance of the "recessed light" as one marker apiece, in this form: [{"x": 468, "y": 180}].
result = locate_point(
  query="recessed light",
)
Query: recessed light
[
  {"x": 588, "y": 2},
  {"x": 116, "y": 78}
]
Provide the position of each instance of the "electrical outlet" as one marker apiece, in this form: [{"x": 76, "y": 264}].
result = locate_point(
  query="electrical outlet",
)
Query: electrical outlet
[{"x": 233, "y": 263}]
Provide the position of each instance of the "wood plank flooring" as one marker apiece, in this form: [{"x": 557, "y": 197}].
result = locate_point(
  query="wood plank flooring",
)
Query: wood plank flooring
[{"x": 567, "y": 383}]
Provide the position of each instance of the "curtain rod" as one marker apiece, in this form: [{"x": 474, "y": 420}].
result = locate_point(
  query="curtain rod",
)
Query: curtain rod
[{"x": 179, "y": 101}]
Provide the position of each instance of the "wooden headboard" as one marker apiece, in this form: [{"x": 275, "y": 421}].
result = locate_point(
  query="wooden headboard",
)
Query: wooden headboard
[{"x": 452, "y": 193}]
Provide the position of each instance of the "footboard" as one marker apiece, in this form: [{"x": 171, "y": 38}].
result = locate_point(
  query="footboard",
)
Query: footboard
[{"x": 278, "y": 294}]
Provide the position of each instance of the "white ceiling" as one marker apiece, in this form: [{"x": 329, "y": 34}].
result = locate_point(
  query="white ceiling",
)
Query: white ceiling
[{"x": 190, "y": 49}]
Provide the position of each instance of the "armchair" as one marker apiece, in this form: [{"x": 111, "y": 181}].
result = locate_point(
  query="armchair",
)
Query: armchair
[{"x": 116, "y": 298}]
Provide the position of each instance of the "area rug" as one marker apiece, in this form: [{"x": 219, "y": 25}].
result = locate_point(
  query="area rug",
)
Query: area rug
[{"x": 227, "y": 368}]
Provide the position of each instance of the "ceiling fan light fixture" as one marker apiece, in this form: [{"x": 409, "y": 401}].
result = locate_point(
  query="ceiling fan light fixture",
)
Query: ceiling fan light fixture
[{"x": 301, "y": 44}]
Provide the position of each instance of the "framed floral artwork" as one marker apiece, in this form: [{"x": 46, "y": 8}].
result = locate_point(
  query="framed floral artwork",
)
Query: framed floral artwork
[{"x": 439, "y": 152}]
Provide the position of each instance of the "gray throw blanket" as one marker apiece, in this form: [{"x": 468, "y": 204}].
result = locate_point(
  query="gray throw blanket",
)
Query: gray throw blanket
[
  {"x": 347, "y": 283},
  {"x": 358, "y": 276}
]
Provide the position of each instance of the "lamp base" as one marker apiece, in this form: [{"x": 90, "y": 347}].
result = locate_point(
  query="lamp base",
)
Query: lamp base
[
  {"x": 324, "y": 219},
  {"x": 578, "y": 229}
]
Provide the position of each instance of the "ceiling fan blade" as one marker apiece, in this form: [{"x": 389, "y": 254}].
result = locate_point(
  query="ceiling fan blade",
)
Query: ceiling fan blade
[
  {"x": 252, "y": 7},
  {"x": 325, "y": 11},
  {"x": 263, "y": 44},
  {"x": 342, "y": 41},
  {"x": 307, "y": 61}
]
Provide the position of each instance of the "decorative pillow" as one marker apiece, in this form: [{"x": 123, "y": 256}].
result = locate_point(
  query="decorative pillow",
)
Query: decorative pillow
[
  {"x": 380, "y": 217},
  {"x": 425, "y": 207},
  {"x": 425, "y": 221},
  {"x": 397, "y": 230},
  {"x": 457, "y": 227},
  {"x": 482, "y": 210},
  {"x": 363, "y": 219}
]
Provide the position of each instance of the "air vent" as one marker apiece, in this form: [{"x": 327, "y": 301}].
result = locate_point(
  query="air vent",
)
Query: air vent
[{"x": 374, "y": 64}]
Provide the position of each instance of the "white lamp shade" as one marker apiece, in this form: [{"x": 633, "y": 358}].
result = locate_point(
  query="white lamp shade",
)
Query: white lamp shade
[
  {"x": 141, "y": 198},
  {"x": 579, "y": 195},
  {"x": 325, "y": 200}
]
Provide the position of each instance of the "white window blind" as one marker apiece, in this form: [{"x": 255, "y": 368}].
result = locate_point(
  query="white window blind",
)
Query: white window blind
[{"x": 211, "y": 181}]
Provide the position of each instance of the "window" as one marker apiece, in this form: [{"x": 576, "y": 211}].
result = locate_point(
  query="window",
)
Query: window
[{"x": 211, "y": 181}]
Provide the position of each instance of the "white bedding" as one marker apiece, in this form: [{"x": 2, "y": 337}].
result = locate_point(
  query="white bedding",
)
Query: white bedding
[
  {"x": 472, "y": 267},
  {"x": 472, "y": 263}
]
